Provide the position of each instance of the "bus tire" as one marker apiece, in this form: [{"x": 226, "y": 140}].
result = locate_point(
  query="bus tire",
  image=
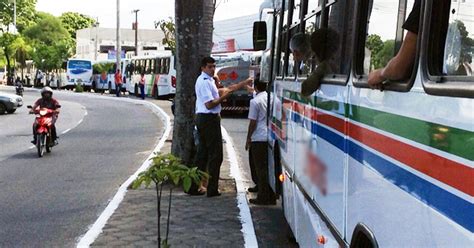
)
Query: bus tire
[
  {"x": 363, "y": 237},
  {"x": 110, "y": 88},
  {"x": 136, "y": 90}
]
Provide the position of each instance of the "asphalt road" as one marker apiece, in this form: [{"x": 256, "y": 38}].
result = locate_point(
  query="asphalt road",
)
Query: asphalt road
[{"x": 51, "y": 201}]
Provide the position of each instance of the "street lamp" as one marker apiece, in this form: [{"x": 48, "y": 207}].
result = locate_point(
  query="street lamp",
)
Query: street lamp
[{"x": 135, "y": 26}]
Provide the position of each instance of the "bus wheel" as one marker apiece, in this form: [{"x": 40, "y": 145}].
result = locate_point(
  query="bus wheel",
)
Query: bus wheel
[
  {"x": 110, "y": 88},
  {"x": 363, "y": 237},
  {"x": 136, "y": 90}
]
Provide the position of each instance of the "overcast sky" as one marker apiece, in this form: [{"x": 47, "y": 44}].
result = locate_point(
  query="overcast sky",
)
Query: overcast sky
[{"x": 150, "y": 10}]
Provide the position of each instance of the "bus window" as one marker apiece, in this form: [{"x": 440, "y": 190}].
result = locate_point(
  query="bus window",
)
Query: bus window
[
  {"x": 339, "y": 21},
  {"x": 380, "y": 41},
  {"x": 152, "y": 66},
  {"x": 296, "y": 12},
  {"x": 157, "y": 66},
  {"x": 448, "y": 48},
  {"x": 166, "y": 63},
  {"x": 459, "y": 42}
]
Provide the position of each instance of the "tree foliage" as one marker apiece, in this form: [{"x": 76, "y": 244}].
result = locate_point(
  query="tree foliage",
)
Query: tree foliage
[
  {"x": 51, "y": 42},
  {"x": 73, "y": 21},
  {"x": 169, "y": 30},
  {"x": 375, "y": 44},
  {"x": 25, "y": 12}
]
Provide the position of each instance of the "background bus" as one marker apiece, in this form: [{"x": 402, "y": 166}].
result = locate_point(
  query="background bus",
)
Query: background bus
[
  {"x": 367, "y": 168},
  {"x": 79, "y": 70},
  {"x": 160, "y": 75},
  {"x": 104, "y": 75}
]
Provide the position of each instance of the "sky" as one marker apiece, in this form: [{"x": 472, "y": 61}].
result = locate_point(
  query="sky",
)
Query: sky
[{"x": 150, "y": 10}]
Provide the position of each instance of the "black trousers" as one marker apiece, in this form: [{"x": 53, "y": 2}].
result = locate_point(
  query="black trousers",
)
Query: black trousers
[
  {"x": 253, "y": 171},
  {"x": 260, "y": 159},
  {"x": 210, "y": 151}
]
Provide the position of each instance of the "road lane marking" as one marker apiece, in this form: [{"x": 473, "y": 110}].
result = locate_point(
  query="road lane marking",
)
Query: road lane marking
[
  {"x": 96, "y": 229},
  {"x": 67, "y": 130},
  {"x": 245, "y": 216}
]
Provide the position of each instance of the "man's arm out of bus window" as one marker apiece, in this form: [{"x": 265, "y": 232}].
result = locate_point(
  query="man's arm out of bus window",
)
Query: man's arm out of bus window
[{"x": 399, "y": 67}]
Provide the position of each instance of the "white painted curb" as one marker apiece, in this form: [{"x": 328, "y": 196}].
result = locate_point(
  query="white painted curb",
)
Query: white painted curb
[
  {"x": 96, "y": 228},
  {"x": 245, "y": 216}
]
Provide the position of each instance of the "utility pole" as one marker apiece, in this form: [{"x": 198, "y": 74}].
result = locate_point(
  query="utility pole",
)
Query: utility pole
[
  {"x": 96, "y": 27},
  {"x": 118, "y": 51},
  {"x": 135, "y": 26}
]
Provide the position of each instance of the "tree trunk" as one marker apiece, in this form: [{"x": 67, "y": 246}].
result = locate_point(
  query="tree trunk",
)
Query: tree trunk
[
  {"x": 193, "y": 41},
  {"x": 9, "y": 69}
]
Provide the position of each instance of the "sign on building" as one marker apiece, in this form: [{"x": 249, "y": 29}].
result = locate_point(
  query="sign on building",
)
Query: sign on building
[{"x": 225, "y": 46}]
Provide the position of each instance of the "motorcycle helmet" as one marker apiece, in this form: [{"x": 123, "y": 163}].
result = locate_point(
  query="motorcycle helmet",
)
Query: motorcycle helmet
[{"x": 45, "y": 91}]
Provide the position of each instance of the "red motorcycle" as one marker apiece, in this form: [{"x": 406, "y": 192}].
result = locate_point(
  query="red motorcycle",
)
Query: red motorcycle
[{"x": 44, "y": 121}]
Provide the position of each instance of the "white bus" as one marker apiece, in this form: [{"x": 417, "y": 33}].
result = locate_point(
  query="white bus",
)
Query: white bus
[
  {"x": 159, "y": 71},
  {"x": 104, "y": 75},
  {"x": 79, "y": 71},
  {"x": 367, "y": 168}
]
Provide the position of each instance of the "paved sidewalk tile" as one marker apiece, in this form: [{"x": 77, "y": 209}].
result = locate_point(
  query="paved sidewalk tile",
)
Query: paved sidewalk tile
[{"x": 196, "y": 221}]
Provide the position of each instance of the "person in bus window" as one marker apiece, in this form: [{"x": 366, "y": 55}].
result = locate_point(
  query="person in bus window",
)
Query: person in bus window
[
  {"x": 324, "y": 43},
  {"x": 142, "y": 85},
  {"x": 400, "y": 67},
  {"x": 300, "y": 47}
]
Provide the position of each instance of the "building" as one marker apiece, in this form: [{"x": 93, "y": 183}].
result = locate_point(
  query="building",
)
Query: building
[
  {"x": 98, "y": 43},
  {"x": 234, "y": 34}
]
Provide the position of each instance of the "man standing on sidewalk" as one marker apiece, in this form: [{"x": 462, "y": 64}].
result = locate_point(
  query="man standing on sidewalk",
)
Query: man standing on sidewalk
[
  {"x": 118, "y": 82},
  {"x": 257, "y": 143},
  {"x": 208, "y": 122}
]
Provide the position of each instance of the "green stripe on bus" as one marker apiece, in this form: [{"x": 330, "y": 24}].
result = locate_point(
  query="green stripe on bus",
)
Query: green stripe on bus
[{"x": 449, "y": 139}]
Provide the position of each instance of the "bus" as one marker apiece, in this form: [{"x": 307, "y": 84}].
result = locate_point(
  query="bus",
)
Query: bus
[
  {"x": 104, "y": 75},
  {"x": 159, "y": 71},
  {"x": 361, "y": 167},
  {"x": 79, "y": 71}
]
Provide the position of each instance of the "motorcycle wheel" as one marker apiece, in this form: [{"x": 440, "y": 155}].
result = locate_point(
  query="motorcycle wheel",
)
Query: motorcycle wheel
[
  {"x": 49, "y": 144},
  {"x": 40, "y": 143}
]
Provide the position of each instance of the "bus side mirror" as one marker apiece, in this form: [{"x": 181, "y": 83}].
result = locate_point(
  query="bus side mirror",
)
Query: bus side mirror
[{"x": 259, "y": 36}]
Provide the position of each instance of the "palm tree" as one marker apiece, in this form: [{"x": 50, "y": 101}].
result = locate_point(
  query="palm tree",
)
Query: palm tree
[{"x": 194, "y": 25}]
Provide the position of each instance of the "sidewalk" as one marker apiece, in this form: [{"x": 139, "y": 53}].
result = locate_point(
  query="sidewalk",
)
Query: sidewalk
[{"x": 196, "y": 221}]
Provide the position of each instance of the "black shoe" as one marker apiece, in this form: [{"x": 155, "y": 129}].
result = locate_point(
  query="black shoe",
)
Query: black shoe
[
  {"x": 33, "y": 142},
  {"x": 194, "y": 193},
  {"x": 253, "y": 189},
  {"x": 213, "y": 194}
]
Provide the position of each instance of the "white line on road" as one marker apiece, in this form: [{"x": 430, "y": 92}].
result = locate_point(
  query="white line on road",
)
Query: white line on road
[
  {"x": 31, "y": 147},
  {"x": 96, "y": 228},
  {"x": 67, "y": 130},
  {"x": 248, "y": 230}
]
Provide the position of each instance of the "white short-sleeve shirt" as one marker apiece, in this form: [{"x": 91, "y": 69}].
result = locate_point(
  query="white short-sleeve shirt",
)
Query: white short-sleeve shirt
[
  {"x": 258, "y": 112},
  {"x": 206, "y": 90}
]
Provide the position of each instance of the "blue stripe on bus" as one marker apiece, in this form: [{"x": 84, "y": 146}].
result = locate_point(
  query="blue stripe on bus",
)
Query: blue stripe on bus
[{"x": 450, "y": 205}]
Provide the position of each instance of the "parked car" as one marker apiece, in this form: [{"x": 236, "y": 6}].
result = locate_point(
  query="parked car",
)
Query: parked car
[{"x": 9, "y": 103}]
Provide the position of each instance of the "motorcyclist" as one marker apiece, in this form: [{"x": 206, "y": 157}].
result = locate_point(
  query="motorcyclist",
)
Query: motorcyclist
[
  {"x": 19, "y": 86},
  {"x": 47, "y": 101}
]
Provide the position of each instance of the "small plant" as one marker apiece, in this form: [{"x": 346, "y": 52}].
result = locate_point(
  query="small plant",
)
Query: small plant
[
  {"x": 166, "y": 168},
  {"x": 79, "y": 87}
]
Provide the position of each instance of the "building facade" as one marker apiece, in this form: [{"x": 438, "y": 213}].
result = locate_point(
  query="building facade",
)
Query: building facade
[{"x": 98, "y": 43}]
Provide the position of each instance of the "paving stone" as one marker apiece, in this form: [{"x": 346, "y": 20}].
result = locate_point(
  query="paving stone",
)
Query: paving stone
[{"x": 196, "y": 221}]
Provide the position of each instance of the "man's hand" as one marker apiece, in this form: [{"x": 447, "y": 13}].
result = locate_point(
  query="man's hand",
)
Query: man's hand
[
  {"x": 376, "y": 79},
  {"x": 247, "y": 145}
]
